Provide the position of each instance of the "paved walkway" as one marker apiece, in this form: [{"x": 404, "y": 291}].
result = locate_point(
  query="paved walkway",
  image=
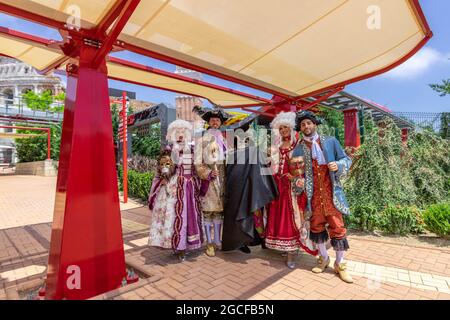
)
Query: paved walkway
[{"x": 381, "y": 269}]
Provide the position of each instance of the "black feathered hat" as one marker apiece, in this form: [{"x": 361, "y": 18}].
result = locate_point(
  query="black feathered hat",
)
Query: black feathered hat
[
  {"x": 207, "y": 114},
  {"x": 302, "y": 115}
]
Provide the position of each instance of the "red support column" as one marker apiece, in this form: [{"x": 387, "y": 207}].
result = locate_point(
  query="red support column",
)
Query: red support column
[
  {"x": 351, "y": 126},
  {"x": 125, "y": 146},
  {"x": 48, "y": 144},
  {"x": 86, "y": 249}
]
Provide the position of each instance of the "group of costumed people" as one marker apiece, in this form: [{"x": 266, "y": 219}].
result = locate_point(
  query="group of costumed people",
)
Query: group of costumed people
[{"x": 225, "y": 197}]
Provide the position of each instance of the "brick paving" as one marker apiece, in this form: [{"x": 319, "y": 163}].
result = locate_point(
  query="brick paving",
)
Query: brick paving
[{"x": 381, "y": 270}]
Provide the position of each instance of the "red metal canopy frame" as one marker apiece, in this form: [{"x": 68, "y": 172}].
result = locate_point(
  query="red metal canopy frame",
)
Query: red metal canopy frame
[
  {"x": 86, "y": 250},
  {"x": 123, "y": 9},
  {"x": 52, "y": 45}
]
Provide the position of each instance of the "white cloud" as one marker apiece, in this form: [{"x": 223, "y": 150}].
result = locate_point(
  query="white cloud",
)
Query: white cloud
[{"x": 418, "y": 64}]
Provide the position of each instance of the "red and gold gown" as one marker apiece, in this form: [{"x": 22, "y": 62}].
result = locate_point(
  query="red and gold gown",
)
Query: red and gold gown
[{"x": 286, "y": 228}]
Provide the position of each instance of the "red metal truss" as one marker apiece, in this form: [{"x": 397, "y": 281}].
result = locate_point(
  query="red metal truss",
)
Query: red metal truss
[
  {"x": 34, "y": 40},
  {"x": 37, "y": 41},
  {"x": 261, "y": 111},
  {"x": 242, "y": 106},
  {"x": 121, "y": 20},
  {"x": 55, "y": 65},
  {"x": 108, "y": 19},
  {"x": 20, "y": 13},
  {"x": 141, "y": 67},
  {"x": 414, "y": 4},
  {"x": 96, "y": 33},
  {"x": 184, "y": 64},
  {"x": 305, "y": 105}
]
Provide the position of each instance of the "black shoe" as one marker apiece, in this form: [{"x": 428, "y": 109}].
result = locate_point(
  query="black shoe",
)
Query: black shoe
[
  {"x": 245, "y": 249},
  {"x": 263, "y": 244},
  {"x": 255, "y": 242}
]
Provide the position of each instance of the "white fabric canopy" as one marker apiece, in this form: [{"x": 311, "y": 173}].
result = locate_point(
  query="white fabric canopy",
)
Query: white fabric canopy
[{"x": 294, "y": 47}]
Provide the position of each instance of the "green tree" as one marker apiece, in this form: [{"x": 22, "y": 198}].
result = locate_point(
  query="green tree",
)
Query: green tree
[
  {"x": 38, "y": 102},
  {"x": 149, "y": 145},
  {"x": 59, "y": 99},
  {"x": 334, "y": 123},
  {"x": 443, "y": 89},
  {"x": 115, "y": 122}
]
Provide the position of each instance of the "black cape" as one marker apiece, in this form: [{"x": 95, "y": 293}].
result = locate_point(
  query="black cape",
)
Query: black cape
[{"x": 247, "y": 191}]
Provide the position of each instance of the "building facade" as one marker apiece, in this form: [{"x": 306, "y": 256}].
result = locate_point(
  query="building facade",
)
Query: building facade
[
  {"x": 16, "y": 78},
  {"x": 184, "y": 104}
]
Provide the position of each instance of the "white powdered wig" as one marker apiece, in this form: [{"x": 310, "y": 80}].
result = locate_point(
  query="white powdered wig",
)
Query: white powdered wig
[
  {"x": 283, "y": 119},
  {"x": 179, "y": 126}
]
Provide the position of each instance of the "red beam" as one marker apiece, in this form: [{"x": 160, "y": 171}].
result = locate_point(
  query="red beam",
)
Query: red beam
[
  {"x": 35, "y": 40},
  {"x": 24, "y": 14},
  {"x": 261, "y": 111},
  {"x": 54, "y": 65},
  {"x": 38, "y": 42},
  {"x": 125, "y": 13},
  {"x": 248, "y": 105},
  {"x": 321, "y": 98},
  {"x": 421, "y": 16},
  {"x": 155, "y": 87},
  {"x": 191, "y": 66},
  {"x": 58, "y": 63},
  {"x": 183, "y": 78},
  {"x": 109, "y": 18}
]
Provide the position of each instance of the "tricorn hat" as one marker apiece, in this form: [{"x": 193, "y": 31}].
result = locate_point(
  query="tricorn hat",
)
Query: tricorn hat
[
  {"x": 302, "y": 115},
  {"x": 207, "y": 114}
]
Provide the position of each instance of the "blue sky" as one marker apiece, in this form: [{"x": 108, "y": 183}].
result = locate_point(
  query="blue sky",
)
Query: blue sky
[{"x": 403, "y": 89}]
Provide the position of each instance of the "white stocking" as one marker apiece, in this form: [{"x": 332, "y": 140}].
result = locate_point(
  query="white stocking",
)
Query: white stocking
[
  {"x": 323, "y": 250},
  {"x": 339, "y": 257}
]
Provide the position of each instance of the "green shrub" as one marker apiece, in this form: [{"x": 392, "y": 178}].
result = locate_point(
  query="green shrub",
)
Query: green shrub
[
  {"x": 380, "y": 175},
  {"x": 428, "y": 160},
  {"x": 35, "y": 148},
  {"x": 138, "y": 183},
  {"x": 364, "y": 217},
  {"x": 401, "y": 220},
  {"x": 437, "y": 219}
]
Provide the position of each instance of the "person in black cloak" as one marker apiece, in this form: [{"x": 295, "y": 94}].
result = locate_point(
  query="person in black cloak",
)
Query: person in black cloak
[{"x": 250, "y": 187}]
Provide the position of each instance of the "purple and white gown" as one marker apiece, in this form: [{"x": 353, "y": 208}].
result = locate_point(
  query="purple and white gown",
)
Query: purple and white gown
[{"x": 187, "y": 227}]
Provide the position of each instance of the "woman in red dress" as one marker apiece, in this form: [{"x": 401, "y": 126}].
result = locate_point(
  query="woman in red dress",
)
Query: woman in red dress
[{"x": 285, "y": 214}]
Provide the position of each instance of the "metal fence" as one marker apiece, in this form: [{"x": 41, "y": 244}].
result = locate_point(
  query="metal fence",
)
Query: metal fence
[
  {"x": 16, "y": 106},
  {"x": 436, "y": 122}
]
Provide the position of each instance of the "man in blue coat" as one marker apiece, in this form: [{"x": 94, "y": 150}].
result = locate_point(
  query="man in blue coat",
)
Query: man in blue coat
[{"x": 325, "y": 165}]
